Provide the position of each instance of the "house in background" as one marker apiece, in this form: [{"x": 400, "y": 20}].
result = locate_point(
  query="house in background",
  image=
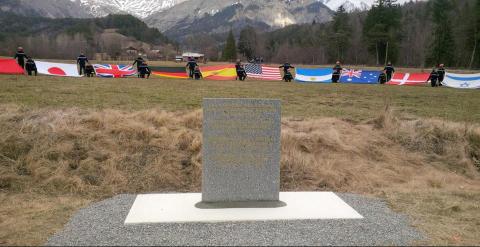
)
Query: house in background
[{"x": 198, "y": 56}]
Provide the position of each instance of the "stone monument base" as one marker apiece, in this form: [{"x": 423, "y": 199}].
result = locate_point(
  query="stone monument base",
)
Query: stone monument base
[
  {"x": 244, "y": 204},
  {"x": 180, "y": 208}
]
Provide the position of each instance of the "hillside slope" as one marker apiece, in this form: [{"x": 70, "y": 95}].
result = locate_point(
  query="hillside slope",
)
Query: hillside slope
[{"x": 65, "y": 38}]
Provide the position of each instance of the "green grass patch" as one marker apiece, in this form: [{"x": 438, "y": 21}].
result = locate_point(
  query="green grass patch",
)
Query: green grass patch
[{"x": 346, "y": 101}]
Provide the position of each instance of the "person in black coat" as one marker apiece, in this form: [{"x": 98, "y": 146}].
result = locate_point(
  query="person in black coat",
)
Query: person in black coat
[
  {"x": 191, "y": 65},
  {"x": 240, "y": 70},
  {"x": 197, "y": 73},
  {"x": 337, "y": 72},
  {"x": 286, "y": 67},
  {"x": 382, "y": 78},
  {"x": 389, "y": 70},
  {"x": 20, "y": 56},
  {"x": 441, "y": 74},
  {"x": 82, "y": 61},
  {"x": 433, "y": 78},
  {"x": 89, "y": 70},
  {"x": 287, "y": 76},
  {"x": 144, "y": 70},
  {"x": 241, "y": 73},
  {"x": 31, "y": 67},
  {"x": 139, "y": 61}
]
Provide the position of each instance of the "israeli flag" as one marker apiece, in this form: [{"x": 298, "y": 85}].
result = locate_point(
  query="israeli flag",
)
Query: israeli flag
[
  {"x": 462, "y": 81},
  {"x": 313, "y": 75}
]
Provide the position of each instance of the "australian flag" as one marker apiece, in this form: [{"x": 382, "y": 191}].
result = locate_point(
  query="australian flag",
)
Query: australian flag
[{"x": 359, "y": 76}]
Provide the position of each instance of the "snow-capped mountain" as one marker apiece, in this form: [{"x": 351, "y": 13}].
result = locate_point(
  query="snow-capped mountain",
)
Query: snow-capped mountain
[
  {"x": 351, "y": 5},
  {"x": 219, "y": 16},
  {"x": 139, "y": 8}
]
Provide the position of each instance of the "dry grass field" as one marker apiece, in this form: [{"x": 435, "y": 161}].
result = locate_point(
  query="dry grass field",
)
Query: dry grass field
[{"x": 65, "y": 143}]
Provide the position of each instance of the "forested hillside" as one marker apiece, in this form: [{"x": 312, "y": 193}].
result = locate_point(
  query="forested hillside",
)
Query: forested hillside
[
  {"x": 417, "y": 34},
  {"x": 59, "y": 36}
]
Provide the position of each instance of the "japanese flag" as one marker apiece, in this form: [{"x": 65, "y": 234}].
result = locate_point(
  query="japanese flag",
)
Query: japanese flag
[{"x": 57, "y": 69}]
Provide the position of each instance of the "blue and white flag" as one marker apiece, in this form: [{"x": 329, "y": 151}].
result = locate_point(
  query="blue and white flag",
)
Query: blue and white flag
[
  {"x": 359, "y": 76},
  {"x": 464, "y": 81},
  {"x": 313, "y": 75}
]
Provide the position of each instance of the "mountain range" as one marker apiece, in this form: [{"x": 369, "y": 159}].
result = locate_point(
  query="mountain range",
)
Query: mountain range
[{"x": 179, "y": 18}]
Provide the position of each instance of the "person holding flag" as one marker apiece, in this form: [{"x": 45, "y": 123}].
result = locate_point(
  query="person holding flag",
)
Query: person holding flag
[
  {"x": 287, "y": 76},
  {"x": 241, "y": 73},
  {"x": 144, "y": 70},
  {"x": 286, "y": 67},
  {"x": 197, "y": 73},
  {"x": 89, "y": 70},
  {"x": 337, "y": 72},
  {"x": 382, "y": 78},
  {"x": 31, "y": 67},
  {"x": 20, "y": 56},
  {"x": 139, "y": 61},
  {"x": 441, "y": 74},
  {"x": 82, "y": 61},
  {"x": 433, "y": 78},
  {"x": 389, "y": 70},
  {"x": 191, "y": 65}
]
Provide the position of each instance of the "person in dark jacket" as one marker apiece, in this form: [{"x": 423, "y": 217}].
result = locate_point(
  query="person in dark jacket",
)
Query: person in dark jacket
[
  {"x": 31, "y": 67},
  {"x": 238, "y": 68},
  {"x": 287, "y": 76},
  {"x": 191, "y": 65},
  {"x": 82, "y": 61},
  {"x": 138, "y": 62},
  {"x": 433, "y": 78},
  {"x": 286, "y": 67},
  {"x": 20, "y": 56},
  {"x": 389, "y": 70},
  {"x": 144, "y": 70},
  {"x": 337, "y": 72},
  {"x": 89, "y": 70},
  {"x": 197, "y": 73},
  {"x": 382, "y": 78},
  {"x": 441, "y": 74},
  {"x": 241, "y": 73}
]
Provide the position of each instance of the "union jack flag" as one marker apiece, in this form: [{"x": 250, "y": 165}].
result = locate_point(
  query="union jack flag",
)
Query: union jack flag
[
  {"x": 350, "y": 73},
  {"x": 113, "y": 70}
]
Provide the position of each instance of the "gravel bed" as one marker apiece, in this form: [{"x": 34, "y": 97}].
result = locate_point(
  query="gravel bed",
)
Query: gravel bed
[{"x": 102, "y": 224}]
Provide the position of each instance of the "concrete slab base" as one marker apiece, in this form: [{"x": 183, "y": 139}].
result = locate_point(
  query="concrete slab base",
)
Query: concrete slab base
[{"x": 180, "y": 208}]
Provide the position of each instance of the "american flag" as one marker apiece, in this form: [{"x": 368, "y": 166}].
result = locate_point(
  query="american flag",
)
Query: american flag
[
  {"x": 113, "y": 70},
  {"x": 259, "y": 71}
]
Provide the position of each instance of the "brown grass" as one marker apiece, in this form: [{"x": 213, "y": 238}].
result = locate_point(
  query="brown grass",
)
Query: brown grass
[{"x": 60, "y": 159}]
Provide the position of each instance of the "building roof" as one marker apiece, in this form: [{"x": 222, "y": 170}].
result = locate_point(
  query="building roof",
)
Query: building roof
[{"x": 192, "y": 54}]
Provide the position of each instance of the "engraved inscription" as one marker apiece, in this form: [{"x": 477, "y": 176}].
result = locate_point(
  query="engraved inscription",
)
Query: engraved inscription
[{"x": 241, "y": 149}]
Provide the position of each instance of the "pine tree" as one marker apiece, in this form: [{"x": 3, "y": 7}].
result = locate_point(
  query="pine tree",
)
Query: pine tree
[
  {"x": 473, "y": 35},
  {"x": 442, "y": 47},
  {"x": 382, "y": 30},
  {"x": 230, "y": 50},
  {"x": 247, "y": 43},
  {"x": 339, "y": 35}
]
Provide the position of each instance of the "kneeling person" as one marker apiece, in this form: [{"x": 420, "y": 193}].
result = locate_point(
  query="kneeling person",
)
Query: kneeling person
[
  {"x": 144, "y": 70},
  {"x": 31, "y": 67},
  {"x": 89, "y": 70},
  {"x": 433, "y": 78},
  {"x": 241, "y": 73},
  {"x": 382, "y": 78},
  {"x": 197, "y": 73}
]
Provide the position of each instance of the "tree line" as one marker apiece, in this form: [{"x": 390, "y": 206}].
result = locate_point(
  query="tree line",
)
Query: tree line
[{"x": 416, "y": 34}]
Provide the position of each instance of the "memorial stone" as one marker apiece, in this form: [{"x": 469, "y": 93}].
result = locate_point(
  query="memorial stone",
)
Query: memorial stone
[{"x": 241, "y": 153}]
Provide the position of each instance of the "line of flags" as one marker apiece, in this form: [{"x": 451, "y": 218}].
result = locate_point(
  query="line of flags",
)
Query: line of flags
[{"x": 255, "y": 71}]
